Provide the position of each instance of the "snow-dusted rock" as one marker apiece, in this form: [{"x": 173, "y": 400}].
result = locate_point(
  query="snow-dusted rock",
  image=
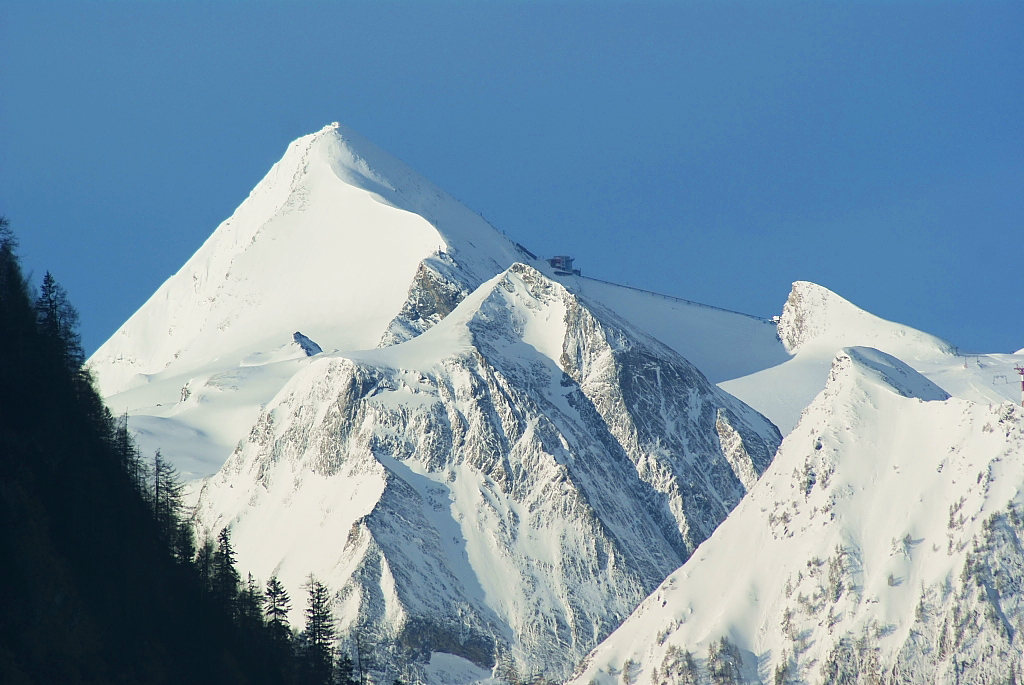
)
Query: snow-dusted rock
[
  {"x": 881, "y": 545},
  {"x": 814, "y": 316},
  {"x": 309, "y": 347},
  {"x": 505, "y": 487}
]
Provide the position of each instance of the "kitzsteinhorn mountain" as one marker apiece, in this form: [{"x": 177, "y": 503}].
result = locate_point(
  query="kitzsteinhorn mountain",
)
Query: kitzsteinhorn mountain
[{"x": 493, "y": 464}]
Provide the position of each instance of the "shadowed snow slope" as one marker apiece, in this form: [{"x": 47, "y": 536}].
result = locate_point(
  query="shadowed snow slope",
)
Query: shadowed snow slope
[
  {"x": 881, "y": 545},
  {"x": 816, "y": 323},
  {"x": 504, "y": 488}
]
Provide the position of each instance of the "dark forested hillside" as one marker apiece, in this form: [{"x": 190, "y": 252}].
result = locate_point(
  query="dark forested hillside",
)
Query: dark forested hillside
[{"x": 98, "y": 587}]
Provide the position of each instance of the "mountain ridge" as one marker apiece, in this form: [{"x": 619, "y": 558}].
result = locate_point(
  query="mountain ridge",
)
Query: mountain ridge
[
  {"x": 325, "y": 218},
  {"x": 493, "y": 463},
  {"x": 863, "y": 530},
  {"x": 195, "y": 365},
  {"x": 561, "y": 441}
]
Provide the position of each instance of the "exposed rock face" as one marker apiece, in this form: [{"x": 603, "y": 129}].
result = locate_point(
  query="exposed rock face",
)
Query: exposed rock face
[
  {"x": 505, "y": 487},
  {"x": 309, "y": 347},
  {"x": 436, "y": 291}
]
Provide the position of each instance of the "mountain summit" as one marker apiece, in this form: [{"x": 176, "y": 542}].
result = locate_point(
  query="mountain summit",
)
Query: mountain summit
[
  {"x": 504, "y": 488},
  {"x": 492, "y": 462},
  {"x": 881, "y": 545},
  {"x": 348, "y": 245},
  {"x": 328, "y": 242}
]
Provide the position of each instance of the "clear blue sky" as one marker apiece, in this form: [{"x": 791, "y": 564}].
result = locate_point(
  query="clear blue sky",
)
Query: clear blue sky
[{"x": 716, "y": 151}]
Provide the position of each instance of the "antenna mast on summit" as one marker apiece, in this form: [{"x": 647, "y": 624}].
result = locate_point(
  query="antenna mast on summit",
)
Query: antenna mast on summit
[{"x": 1020, "y": 370}]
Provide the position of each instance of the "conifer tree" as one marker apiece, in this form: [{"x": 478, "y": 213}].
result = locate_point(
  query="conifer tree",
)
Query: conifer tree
[
  {"x": 204, "y": 564},
  {"x": 17, "y": 320},
  {"x": 11, "y": 280},
  {"x": 319, "y": 633},
  {"x": 250, "y": 606},
  {"x": 168, "y": 509},
  {"x": 98, "y": 597},
  {"x": 345, "y": 671},
  {"x": 58, "y": 322},
  {"x": 183, "y": 545},
  {"x": 130, "y": 456},
  {"x": 7, "y": 240},
  {"x": 224, "y": 576},
  {"x": 277, "y": 605}
]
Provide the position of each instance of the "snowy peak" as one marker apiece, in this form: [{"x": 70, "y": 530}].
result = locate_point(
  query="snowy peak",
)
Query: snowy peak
[
  {"x": 814, "y": 317},
  {"x": 885, "y": 370},
  {"x": 359, "y": 163},
  {"x": 504, "y": 488},
  {"x": 816, "y": 325},
  {"x": 881, "y": 545},
  {"x": 331, "y": 242},
  {"x": 348, "y": 245},
  {"x": 526, "y": 306}
]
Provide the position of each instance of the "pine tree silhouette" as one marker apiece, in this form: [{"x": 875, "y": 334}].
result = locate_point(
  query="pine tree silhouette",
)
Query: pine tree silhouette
[
  {"x": 58, "y": 322},
  {"x": 319, "y": 633},
  {"x": 225, "y": 578},
  {"x": 99, "y": 596},
  {"x": 277, "y": 606}
]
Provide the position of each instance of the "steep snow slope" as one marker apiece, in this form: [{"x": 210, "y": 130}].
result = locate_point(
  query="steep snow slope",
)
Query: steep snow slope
[
  {"x": 340, "y": 241},
  {"x": 724, "y": 345},
  {"x": 504, "y": 488},
  {"x": 349, "y": 246},
  {"x": 881, "y": 545},
  {"x": 816, "y": 323},
  {"x": 327, "y": 243}
]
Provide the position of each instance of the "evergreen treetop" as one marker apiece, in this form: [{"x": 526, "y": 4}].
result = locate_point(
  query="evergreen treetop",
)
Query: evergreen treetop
[{"x": 58, "y": 322}]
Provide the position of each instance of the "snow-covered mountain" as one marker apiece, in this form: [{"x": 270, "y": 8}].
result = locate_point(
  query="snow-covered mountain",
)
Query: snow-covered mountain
[
  {"x": 353, "y": 249},
  {"x": 490, "y": 466},
  {"x": 504, "y": 488},
  {"x": 327, "y": 243},
  {"x": 882, "y": 545},
  {"x": 493, "y": 463},
  {"x": 816, "y": 324},
  {"x": 332, "y": 243}
]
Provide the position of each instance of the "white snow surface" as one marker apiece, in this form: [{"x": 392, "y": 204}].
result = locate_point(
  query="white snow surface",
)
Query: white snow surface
[
  {"x": 523, "y": 519},
  {"x": 881, "y": 540},
  {"x": 724, "y": 345},
  {"x": 448, "y": 669},
  {"x": 505, "y": 487},
  {"x": 351, "y": 247},
  {"x": 327, "y": 243},
  {"x": 816, "y": 324}
]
